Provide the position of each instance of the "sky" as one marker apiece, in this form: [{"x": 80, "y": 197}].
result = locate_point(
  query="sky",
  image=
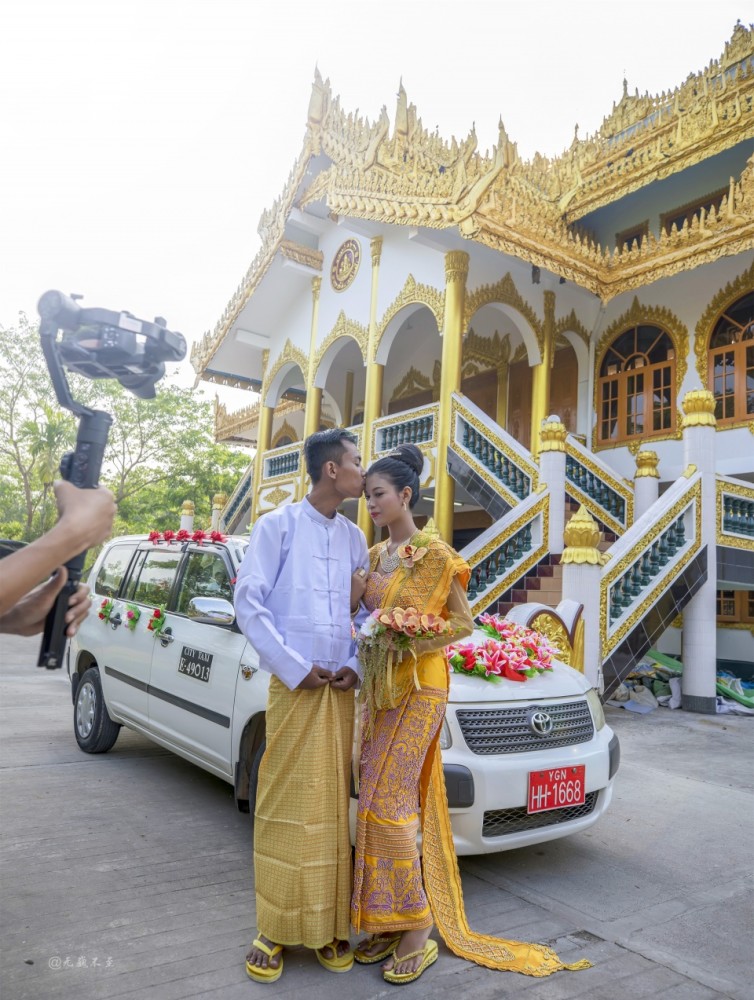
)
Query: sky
[{"x": 142, "y": 140}]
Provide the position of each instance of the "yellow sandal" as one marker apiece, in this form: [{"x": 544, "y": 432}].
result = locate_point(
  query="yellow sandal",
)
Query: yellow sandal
[
  {"x": 364, "y": 957},
  {"x": 338, "y": 963},
  {"x": 429, "y": 951},
  {"x": 268, "y": 975}
]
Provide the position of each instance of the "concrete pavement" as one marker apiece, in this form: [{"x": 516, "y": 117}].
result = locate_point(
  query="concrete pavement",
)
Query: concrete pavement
[{"x": 128, "y": 874}]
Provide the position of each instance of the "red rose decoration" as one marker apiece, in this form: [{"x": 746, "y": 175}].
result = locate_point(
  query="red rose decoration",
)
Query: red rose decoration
[
  {"x": 168, "y": 535},
  {"x": 199, "y": 536},
  {"x": 182, "y": 535},
  {"x": 217, "y": 536},
  {"x": 154, "y": 537}
]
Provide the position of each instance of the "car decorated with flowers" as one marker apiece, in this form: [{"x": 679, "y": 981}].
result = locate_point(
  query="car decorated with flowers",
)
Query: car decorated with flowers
[{"x": 527, "y": 754}]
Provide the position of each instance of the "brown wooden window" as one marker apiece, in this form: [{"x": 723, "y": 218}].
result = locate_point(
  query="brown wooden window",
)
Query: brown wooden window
[
  {"x": 731, "y": 362},
  {"x": 637, "y": 386},
  {"x": 735, "y": 606},
  {"x": 630, "y": 238},
  {"x": 685, "y": 213}
]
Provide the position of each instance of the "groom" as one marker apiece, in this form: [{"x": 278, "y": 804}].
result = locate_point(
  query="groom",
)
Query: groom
[{"x": 301, "y": 579}]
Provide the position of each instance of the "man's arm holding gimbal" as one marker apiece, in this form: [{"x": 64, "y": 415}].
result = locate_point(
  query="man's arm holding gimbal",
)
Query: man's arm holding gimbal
[{"x": 86, "y": 519}]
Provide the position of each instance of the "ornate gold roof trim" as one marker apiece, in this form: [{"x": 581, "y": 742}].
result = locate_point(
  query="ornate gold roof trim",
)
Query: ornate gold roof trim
[
  {"x": 271, "y": 231},
  {"x": 572, "y": 324},
  {"x": 489, "y": 352},
  {"x": 302, "y": 255},
  {"x": 232, "y": 426}
]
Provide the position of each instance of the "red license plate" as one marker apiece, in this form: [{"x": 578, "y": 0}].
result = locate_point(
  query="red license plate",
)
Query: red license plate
[{"x": 556, "y": 788}]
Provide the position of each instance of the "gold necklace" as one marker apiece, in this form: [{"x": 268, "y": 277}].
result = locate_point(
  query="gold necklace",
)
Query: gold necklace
[{"x": 390, "y": 561}]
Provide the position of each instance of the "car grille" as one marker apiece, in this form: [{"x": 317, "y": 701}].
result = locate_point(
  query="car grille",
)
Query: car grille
[
  {"x": 506, "y": 730},
  {"x": 499, "y": 822}
]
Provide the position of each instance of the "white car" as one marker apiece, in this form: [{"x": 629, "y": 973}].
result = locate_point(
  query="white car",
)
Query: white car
[{"x": 524, "y": 762}]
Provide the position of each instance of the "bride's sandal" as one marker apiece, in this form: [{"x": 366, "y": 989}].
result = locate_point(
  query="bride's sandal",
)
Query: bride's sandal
[
  {"x": 429, "y": 951},
  {"x": 366, "y": 957}
]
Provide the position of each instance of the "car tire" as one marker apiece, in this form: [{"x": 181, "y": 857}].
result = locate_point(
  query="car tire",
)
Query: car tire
[
  {"x": 254, "y": 777},
  {"x": 95, "y": 731}
]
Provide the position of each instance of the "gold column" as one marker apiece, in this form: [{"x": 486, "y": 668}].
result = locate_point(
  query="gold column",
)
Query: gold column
[
  {"x": 501, "y": 409},
  {"x": 373, "y": 389},
  {"x": 348, "y": 400},
  {"x": 313, "y": 396},
  {"x": 540, "y": 390},
  {"x": 264, "y": 438},
  {"x": 456, "y": 272}
]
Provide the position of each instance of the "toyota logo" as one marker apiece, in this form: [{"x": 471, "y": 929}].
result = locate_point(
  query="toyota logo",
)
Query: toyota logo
[{"x": 540, "y": 722}]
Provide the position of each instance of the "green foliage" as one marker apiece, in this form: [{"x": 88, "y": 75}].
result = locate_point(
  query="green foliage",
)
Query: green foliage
[{"x": 160, "y": 451}]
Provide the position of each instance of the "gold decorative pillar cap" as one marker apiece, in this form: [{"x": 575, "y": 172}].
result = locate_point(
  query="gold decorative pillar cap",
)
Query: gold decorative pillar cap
[
  {"x": 582, "y": 536},
  {"x": 219, "y": 499},
  {"x": 456, "y": 265},
  {"x": 187, "y": 509},
  {"x": 699, "y": 408},
  {"x": 553, "y": 434},
  {"x": 646, "y": 465}
]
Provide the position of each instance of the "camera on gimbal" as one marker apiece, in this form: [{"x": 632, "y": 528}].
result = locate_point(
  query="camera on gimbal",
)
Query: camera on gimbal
[{"x": 96, "y": 343}]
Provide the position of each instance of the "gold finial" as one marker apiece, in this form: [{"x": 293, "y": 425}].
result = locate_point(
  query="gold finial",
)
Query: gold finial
[
  {"x": 582, "y": 536},
  {"x": 646, "y": 465},
  {"x": 187, "y": 510},
  {"x": 456, "y": 265},
  {"x": 552, "y": 435},
  {"x": 699, "y": 408},
  {"x": 219, "y": 500}
]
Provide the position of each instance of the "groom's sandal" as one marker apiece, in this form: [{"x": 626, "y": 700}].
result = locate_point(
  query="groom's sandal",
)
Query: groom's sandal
[
  {"x": 268, "y": 975},
  {"x": 429, "y": 951},
  {"x": 338, "y": 963},
  {"x": 366, "y": 957}
]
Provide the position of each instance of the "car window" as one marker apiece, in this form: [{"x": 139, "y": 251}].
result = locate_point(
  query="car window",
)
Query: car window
[
  {"x": 113, "y": 567},
  {"x": 155, "y": 578},
  {"x": 205, "y": 575}
]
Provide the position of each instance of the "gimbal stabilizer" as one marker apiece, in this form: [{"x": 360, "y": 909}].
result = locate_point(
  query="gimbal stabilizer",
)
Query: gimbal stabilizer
[{"x": 95, "y": 343}]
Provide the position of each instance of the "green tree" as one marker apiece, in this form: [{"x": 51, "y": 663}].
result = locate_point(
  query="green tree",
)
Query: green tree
[{"x": 160, "y": 451}]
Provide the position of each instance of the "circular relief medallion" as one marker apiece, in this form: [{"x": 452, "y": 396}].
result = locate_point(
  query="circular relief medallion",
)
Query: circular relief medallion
[{"x": 345, "y": 265}]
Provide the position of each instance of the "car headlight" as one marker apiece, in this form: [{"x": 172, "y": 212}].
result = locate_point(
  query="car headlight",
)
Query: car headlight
[
  {"x": 446, "y": 740},
  {"x": 595, "y": 705}
]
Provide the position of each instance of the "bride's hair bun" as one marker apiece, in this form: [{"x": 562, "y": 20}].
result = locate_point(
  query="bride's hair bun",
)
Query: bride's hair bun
[
  {"x": 403, "y": 467},
  {"x": 409, "y": 454}
]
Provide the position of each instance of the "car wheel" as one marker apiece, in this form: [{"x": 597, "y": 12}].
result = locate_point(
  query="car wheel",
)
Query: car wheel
[
  {"x": 254, "y": 777},
  {"x": 95, "y": 730}
]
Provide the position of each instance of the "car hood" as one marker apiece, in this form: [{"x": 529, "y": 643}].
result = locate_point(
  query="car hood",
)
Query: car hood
[{"x": 560, "y": 682}]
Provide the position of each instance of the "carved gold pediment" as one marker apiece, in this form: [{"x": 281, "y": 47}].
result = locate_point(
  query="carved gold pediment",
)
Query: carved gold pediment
[
  {"x": 344, "y": 327},
  {"x": 719, "y": 303}
]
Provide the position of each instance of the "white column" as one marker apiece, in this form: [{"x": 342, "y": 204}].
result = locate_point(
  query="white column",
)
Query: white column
[
  {"x": 582, "y": 567},
  {"x": 699, "y": 616},
  {"x": 552, "y": 472},
  {"x": 646, "y": 482},
  {"x": 187, "y": 515}
]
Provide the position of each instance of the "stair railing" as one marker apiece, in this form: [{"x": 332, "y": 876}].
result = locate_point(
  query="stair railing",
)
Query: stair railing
[
  {"x": 592, "y": 483},
  {"x": 491, "y": 452},
  {"x": 241, "y": 493},
  {"x": 648, "y": 558},
  {"x": 735, "y": 513},
  {"x": 506, "y": 550}
]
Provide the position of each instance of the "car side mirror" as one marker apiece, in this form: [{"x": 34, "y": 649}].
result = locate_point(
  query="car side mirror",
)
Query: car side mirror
[{"x": 211, "y": 611}]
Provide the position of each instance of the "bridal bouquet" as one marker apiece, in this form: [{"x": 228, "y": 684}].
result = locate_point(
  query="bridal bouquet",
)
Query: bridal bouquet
[
  {"x": 385, "y": 639},
  {"x": 504, "y": 650}
]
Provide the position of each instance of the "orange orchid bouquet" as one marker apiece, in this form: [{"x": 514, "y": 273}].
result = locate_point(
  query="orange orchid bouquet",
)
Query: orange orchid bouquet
[{"x": 386, "y": 639}]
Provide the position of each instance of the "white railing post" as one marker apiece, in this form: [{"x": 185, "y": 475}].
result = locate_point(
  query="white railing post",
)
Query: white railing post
[
  {"x": 646, "y": 482},
  {"x": 187, "y": 515},
  {"x": 582, "y": 567},
  {"x": 699, "y": 616},
  {"x": 552, "y": 472}
]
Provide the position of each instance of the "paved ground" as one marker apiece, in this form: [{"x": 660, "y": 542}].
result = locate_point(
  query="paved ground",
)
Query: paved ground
[{"x": 129, "y": 874}]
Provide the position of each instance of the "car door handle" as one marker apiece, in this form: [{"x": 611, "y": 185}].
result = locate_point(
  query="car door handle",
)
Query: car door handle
[
  {"x": 166, "y": 636},
  {"x": 116, "y": 620}
]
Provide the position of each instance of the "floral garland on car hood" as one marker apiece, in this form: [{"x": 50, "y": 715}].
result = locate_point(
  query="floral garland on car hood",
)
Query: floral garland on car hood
[{"x": 508, "y": 650}]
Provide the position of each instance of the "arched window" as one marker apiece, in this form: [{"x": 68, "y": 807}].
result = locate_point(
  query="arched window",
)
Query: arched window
[
  {"x": 731, "y": 362},
  {"x": 637, "y": 386}
]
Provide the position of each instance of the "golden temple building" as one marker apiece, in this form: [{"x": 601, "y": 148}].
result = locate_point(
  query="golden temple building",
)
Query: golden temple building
[{"x": 569, "y": 340}]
